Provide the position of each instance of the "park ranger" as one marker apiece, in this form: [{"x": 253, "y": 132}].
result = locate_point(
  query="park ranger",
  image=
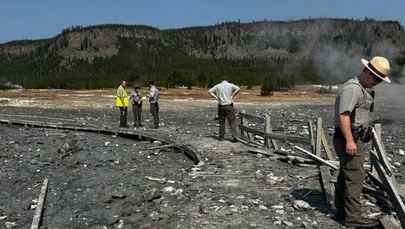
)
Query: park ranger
[{"x": 352, "y": 110}]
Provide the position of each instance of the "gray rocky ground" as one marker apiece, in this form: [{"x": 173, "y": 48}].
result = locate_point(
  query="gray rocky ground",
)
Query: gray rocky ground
[{"x": 115, "y": 182}]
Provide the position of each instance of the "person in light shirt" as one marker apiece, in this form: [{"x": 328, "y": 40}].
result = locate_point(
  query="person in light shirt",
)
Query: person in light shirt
[
  {"x": 224, "y": 93},
  {"x": 353, "y": 105},
  {"x": 153, "y": 98}
]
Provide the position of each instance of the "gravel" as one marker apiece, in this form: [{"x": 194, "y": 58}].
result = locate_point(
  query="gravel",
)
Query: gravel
[{"x": 109, "y": 181}]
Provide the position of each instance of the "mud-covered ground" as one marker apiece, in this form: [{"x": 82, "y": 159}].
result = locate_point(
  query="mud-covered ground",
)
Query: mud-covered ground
[{"x": 108, "y": 181}]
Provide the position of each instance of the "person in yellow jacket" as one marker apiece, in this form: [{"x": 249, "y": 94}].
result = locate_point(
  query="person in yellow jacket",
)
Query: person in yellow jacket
[{"x": 122, "y": 103}]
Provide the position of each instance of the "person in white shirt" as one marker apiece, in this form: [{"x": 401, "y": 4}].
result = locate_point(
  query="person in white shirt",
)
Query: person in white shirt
[
  {"x": 153, "y": 98},
  {"x": 224, "y": 93}
]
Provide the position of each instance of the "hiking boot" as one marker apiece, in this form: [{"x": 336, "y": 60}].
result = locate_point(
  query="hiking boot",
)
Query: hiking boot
[
  {"x": 154, "y": 127},
  {"x": 363, "y": 223},
  {"x": 234, "y": 140}
]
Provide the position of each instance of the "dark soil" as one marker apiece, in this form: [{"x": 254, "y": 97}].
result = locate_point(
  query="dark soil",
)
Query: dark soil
[{"x": 110, "y": 181}]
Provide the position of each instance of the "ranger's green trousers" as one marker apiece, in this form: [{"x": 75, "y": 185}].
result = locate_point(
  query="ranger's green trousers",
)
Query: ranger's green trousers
[{"x": 350, "y": 180}]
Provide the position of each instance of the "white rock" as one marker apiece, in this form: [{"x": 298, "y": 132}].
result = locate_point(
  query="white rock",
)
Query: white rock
[
  {"x": 288, "y": 223},
  {"x": 279, "y": 218},
  {"x": 10, "y": 224},
  {"x": 168, "y": 189},
  {"x": 259, "y": 174},
  {"x": 281, "y": 212},
  {"x": 301, "y": 205},
  {"x": 262, "y": 207},
  {"x": 401, "y": 152},
  {"x": 178, "y": 192}
]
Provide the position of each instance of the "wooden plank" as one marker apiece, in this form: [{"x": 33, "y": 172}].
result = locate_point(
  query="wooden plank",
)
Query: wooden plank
[
  {"x": 282, "y": 137},
  {"x": 268, "y": 129},
  {"x": 326, "y": 184},
  {"x": 376, "y": 180},
  {"x": 221, "y": 175},
  {"x": 318, "y": 137},
  {"x": 252, "y": 118},
  {"x": 38, "y": 211},
  {"x": 163, "y": 146},
  {"x": 382, "y": 155},
  {"x": 373, "y": 172},
  {"x": 245, "y": 123},
  {"x": 248, "y": 142},
  {"x": 313, "y": 156},
  {"x": 288, "y": 138},
  {"x": 251, "y": 130},
  {"x": 389, "y": 222},
  {"x": 242, "y": 133},
  {"x": 261, "y": 151},
  {"x": 326, "y": 146},
  {"x": 396, "y": 200}
]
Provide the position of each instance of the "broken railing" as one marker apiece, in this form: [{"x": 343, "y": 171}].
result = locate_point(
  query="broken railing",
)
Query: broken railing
[
  {"x": 381, "y": 173},
  {"x": 316, "y": 141}
]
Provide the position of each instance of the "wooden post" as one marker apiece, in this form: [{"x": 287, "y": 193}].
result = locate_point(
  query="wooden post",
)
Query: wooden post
[
  {"x": 242, "y": 132},
  {"x": 373, "y": 173},
  {"x": 382, "y": 155},
  {"x": 245, "y": 123},
  {"x": 326, "y": 146},
  {"x": 318, "y": 137},
  {"x": 378, "y": 131},
  {"x": 311, "y": 133},
  {"x": 268, "y": 129}
]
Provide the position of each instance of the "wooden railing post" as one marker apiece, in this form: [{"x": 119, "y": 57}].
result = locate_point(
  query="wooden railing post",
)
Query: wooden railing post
[{"x": 268, "y": 129}]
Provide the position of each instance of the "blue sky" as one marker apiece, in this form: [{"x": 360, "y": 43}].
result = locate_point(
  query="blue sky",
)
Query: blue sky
[{"x": 29, "y": 19}]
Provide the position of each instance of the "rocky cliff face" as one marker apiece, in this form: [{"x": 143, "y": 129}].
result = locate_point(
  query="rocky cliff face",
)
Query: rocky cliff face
[{"x": 233, "y": 40}]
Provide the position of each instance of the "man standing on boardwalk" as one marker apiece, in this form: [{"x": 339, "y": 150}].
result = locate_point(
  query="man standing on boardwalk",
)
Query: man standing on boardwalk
[
  {"x": 224, "y": 93},
  {"x": 122, "y": 103},
  {"x": 153, "y": 98}
]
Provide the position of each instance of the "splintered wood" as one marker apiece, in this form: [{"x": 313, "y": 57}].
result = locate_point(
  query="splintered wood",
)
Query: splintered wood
[{"x": 41, "y": 200}]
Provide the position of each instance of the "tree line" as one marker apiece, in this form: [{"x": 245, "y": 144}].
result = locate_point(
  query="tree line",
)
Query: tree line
[{"x": 166, "y": 60}]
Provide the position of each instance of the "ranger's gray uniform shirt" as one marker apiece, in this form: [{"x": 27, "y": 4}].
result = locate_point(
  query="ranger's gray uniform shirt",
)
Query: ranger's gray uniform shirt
[
  {"x": 224, "y": 92},
  {"x": 353, "y": 96}
]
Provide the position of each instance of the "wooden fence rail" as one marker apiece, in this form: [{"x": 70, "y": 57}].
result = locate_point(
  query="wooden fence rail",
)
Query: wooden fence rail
[{"x": 248, "y": 128}]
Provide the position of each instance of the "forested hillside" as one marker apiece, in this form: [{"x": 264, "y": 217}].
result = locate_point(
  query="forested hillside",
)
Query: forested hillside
[{"x": 276, "y": 53}]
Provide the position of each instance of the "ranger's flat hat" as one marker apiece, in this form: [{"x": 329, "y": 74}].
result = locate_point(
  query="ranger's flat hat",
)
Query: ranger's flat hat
[{"x": 379, "y": 66}]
